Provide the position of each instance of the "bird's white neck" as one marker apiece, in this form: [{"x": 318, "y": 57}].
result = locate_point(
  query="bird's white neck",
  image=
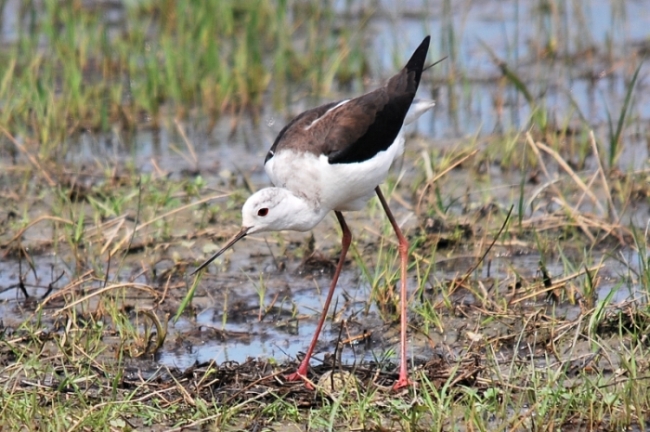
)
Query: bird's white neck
[{"x": 303, "y": 214}]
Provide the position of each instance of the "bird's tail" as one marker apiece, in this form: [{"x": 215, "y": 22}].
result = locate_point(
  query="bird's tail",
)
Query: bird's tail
[{"x": 416, "y": 63}]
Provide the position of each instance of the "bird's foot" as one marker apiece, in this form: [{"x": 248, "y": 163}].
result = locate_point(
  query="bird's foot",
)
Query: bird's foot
[
  {"x": 296, "y": 376},
  {"x": 300, "y": 375},
  {"x": 402, "y": 382}
]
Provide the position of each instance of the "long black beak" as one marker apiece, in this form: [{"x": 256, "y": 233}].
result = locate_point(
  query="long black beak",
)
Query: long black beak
[
  {"x": 240, "y": 235},
  {"x": 434, "y": 63}
]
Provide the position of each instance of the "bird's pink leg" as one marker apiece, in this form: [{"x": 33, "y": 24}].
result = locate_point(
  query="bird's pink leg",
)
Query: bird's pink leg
[
  {"x": 345, "y": 244},
  {"x": 403, "y": 247}
]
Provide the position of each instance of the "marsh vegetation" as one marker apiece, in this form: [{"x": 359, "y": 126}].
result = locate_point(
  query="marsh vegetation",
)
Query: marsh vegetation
[{"x": 132, "y": 132}]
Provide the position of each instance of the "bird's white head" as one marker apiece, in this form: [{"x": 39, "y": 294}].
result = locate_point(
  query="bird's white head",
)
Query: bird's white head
[
  {"x": 273, "y": 209},
  {"x": 278, "y": 209}
]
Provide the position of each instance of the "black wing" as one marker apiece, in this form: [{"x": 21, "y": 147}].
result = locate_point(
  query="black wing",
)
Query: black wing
[
  {"x": 360, "y": 128},
  {"x": 291, "y": 134},
  {"x": 370, "y": 124}
]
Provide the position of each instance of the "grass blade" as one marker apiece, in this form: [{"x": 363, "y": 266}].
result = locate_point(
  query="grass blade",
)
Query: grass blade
[{"x": 615, "y": 136}]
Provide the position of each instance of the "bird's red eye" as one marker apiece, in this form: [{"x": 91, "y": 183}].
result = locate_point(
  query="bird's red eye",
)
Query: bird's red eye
[{"x": 263, "y": 212}]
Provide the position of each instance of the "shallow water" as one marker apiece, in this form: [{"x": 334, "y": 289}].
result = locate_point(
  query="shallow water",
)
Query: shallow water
[{"x": 227, "y": 324}]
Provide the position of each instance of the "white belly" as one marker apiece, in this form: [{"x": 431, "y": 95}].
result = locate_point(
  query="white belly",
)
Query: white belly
[{"x": 345, "y": 186}]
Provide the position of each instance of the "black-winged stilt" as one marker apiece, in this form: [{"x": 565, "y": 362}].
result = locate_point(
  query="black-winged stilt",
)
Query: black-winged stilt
[{"x": 333, "y": 158}]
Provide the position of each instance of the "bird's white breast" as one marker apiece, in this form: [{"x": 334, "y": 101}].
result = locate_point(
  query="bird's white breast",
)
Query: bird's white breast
[{"x": 345, "y": 186}]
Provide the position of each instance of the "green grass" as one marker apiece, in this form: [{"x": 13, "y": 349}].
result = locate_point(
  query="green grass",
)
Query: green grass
[{"x": 71, "y": 71}]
